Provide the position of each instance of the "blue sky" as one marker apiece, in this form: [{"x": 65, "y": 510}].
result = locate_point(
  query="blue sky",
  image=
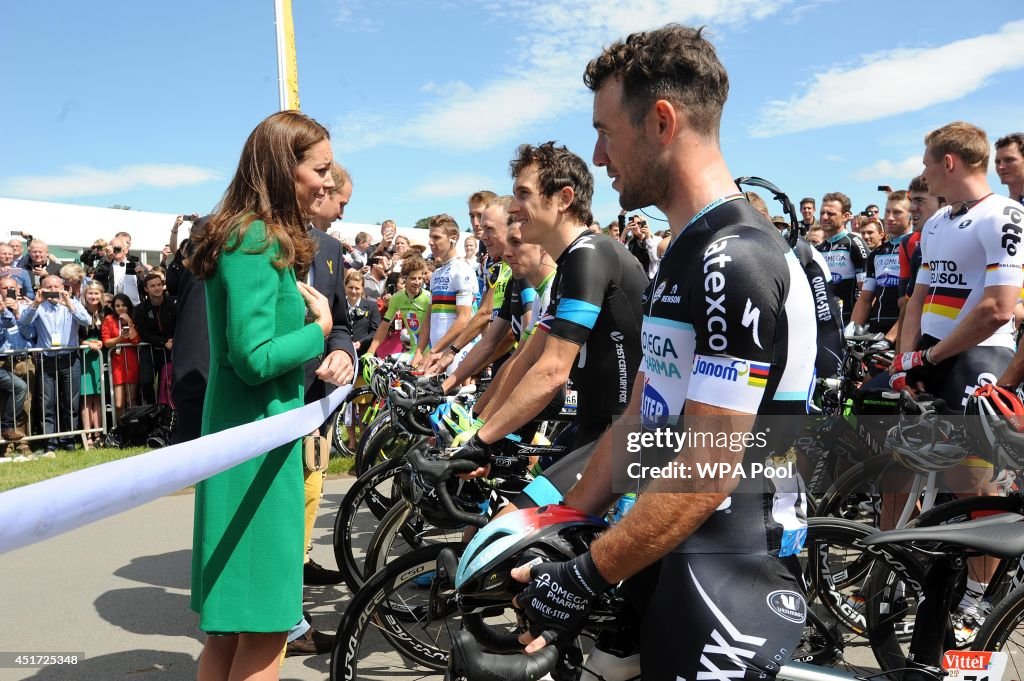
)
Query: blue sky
[{"x": 147, "y": 104}]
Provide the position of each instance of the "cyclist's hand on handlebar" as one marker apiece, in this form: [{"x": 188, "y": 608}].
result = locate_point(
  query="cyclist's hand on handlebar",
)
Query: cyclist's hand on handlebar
[
  {"x": 557, "y": 598},
  {"x": 907, "y": 361},
  {"x": 468, "y": 446}
]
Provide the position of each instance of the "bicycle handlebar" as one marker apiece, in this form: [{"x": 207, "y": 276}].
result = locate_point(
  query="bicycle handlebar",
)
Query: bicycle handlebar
[
  {"x": 438, "y": 471},
  {"x": 469, "y": 660}
]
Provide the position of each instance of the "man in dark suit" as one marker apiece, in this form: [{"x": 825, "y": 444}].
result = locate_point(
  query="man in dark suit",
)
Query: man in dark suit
[
  {"x": 327, "y": 275},
  {"x": 120, "y": 272}
]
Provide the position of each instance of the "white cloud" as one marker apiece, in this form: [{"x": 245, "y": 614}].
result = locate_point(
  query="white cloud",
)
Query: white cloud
[
  {"x": 877, "y": 87},
  {"x": 543, "y": 79},
  {"x": 835, "y": 158},
  {"x": 891, "y": 170},
  {"x": 83, "y": 181},
  {"x": 449, "y": 186}
]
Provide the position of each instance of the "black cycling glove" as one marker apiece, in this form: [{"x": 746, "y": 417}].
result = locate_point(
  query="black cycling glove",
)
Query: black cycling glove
[{"x": 559, "y": 596}]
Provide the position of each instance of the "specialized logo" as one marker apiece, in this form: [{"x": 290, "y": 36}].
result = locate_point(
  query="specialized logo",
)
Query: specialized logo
[
  {"x": 789, "y": 605},
  {"x": 658, "y": 291},
  {"x": 584, "y": 242},
  {"x": 751, "y": 316},
  {"x": 965, "y": 224}
]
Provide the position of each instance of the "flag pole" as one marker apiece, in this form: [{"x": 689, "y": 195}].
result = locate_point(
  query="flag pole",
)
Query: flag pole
[{"x": 287, "y": 66}]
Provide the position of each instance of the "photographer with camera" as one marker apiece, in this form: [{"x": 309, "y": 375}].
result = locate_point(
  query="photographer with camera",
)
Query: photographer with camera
[
  {"x": 640, "y": 242},
  {"x": 54, "y": 316},
  {"x": 122, "y": 273},
  {"x": 16, "y": 368}
]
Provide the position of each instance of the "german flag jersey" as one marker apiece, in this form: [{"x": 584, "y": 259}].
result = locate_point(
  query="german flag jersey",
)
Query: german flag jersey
[{"x": 964, "y": 252}]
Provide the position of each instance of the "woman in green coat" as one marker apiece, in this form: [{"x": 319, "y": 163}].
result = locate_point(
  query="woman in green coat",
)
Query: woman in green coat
[{"x": 247, "y": 549}]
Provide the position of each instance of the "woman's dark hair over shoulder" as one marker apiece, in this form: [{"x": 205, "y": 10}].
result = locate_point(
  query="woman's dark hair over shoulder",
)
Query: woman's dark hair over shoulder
[{"x": 263, "y": 188}]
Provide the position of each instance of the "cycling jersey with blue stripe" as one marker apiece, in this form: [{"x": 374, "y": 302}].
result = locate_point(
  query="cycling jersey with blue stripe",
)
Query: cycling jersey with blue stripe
[
  {"x": 882, "y": 279},
  {"x": 595, "y": 303},
  {"x": 730, "y": 322}
]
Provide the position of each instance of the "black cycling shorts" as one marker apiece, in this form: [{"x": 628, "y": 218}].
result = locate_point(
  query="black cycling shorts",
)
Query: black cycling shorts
[
  {"x": 726, "y": 617},
  {"x": 560, "y": 476},
  {"x": 956, "y": 378}
]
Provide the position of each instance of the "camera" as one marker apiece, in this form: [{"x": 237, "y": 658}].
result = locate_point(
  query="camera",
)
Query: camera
[
  {"x": 11, "y": 294},
  {"x": 51, "y": 295},
  {"x": 118, "y": 249}
]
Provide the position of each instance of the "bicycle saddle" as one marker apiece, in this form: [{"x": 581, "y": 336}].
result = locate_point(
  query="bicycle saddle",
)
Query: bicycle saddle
[{"x": 999, "y": 535}]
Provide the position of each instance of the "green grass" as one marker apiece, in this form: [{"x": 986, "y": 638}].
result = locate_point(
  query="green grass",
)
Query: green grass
[{"x": 27, "y": 472}]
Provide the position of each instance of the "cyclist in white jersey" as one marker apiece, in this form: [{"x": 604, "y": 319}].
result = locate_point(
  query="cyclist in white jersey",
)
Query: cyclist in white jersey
[
  {"x": 958, "y": 330},
  {"x": 531, "y": 264},
  {"x": 452, "y": 288}
]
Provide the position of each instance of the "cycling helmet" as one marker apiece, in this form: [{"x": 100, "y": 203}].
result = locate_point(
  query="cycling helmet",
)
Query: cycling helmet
[
  {"x": 925, "y": 445},
  {"x": 995, "y": 424},
  {"x": 370, "y": 365},
  {"x": 449, "y": 420},
  {"x": 470, "y": 496},
  {"x": 555, "y": 533}
]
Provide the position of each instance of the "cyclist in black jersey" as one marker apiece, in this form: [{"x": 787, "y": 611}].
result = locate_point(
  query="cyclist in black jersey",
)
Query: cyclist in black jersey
[
  {"x": 879, "y": 304},
  {"x": 728, "y": 334},
  {"x": 844, "y": 251},
  {"x": 590, "y": 331}
]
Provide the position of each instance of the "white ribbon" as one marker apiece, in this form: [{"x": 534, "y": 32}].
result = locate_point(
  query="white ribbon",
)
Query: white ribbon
[{"x": 46, "y": 509}]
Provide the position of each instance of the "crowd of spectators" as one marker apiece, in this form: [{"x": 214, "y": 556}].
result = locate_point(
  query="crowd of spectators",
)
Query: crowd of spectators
[
  {"x": 74, "y": 331},
  {"x": 65, "y": 323}
]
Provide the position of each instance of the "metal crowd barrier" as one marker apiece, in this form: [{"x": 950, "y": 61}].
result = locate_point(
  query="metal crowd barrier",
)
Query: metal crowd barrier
[{"x": 53, "y": 405}]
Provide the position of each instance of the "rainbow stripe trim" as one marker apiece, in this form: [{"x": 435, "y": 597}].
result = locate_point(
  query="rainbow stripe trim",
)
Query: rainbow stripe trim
[{"x": 758, "y": 374}]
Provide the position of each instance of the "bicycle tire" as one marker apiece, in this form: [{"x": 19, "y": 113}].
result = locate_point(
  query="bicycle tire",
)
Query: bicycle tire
[
  {"x": 367, "y": 501},
  {"x": 372, "y": 610},
  {"x": 1003, "y": 631},
  {"x": 390, "y": 613},
  {"x": 382, "y": 440},
  {"x": 402, "y": 522},
  {"x": 849, "y": 593},
  {"x": 339, "y": 431}
]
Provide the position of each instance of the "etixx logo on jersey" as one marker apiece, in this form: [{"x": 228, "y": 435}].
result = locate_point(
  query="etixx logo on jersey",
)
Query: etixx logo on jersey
[{"x": 789, "y": 605}]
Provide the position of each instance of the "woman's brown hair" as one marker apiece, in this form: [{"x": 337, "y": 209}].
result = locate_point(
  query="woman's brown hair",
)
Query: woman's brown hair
[{"x": 263, "y": 188}]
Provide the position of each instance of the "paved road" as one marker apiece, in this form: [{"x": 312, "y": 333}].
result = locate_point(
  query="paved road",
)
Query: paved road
[{"x": 117, "y": 591}]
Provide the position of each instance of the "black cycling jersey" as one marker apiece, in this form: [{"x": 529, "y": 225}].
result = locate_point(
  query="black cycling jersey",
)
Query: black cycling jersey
[
  {"x": 847, "y": 257},
  {"x": 730, "y": 322},
  {"x": 882, "y": 278},
  {"x": 513, "y": 307},
  {"x": 828, "y": 362},
  {"x": 595, "y": 303}
]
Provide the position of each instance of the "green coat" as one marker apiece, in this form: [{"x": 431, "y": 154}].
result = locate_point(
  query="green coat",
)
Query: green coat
[{"x": 247, "y": 549}]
